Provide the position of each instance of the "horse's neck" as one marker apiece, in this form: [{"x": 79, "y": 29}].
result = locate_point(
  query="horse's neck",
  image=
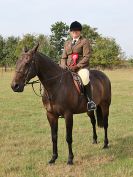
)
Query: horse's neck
[{"x": 47, "y": 69}]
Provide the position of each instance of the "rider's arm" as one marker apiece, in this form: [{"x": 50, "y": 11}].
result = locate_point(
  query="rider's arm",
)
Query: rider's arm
[
  {"x": 64, "y": 57},
  {"x": 86, "y": 55}
]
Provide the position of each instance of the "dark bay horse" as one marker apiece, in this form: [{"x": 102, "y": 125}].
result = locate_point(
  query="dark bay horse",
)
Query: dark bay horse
[{"x": 60, "y": 96}]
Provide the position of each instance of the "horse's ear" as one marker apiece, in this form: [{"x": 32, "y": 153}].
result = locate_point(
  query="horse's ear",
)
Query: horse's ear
[
  {"x": 34, "y": 50},
  {"x": 25, "y": 49}
]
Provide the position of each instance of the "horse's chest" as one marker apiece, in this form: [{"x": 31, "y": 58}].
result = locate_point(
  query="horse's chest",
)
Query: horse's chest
[{"x": 52, "y": 106}]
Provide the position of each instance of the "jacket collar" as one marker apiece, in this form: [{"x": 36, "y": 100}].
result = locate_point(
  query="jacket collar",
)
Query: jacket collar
[{"x": 78, "y": 42}]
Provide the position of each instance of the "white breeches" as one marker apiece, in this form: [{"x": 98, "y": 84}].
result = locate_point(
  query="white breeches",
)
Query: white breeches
[{"x": 84, "y": 74}]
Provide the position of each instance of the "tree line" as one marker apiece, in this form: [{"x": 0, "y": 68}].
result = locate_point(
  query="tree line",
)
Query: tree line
[{"x": 105, "y": 51}]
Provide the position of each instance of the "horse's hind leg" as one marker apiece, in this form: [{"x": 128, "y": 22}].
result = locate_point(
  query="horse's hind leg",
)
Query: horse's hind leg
[
  {"x": 93, "y": 121},
  {"x": 105, "y": 112},
  {"x": 53, "y": 121}
]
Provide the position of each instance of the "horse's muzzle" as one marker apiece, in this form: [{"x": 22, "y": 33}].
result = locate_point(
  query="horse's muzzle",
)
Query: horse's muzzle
[{"x": 17, "y": 87}]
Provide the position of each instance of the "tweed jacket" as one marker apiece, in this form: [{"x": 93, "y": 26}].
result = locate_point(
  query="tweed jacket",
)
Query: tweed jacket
[{"x": 82, "y": 48}]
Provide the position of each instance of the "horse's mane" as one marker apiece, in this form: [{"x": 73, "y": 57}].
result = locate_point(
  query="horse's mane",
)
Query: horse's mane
[{"x": 47, "y": 59}]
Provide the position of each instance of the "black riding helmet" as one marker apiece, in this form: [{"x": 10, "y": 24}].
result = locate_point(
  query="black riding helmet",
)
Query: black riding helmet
[{"x": 75, "y": 26}]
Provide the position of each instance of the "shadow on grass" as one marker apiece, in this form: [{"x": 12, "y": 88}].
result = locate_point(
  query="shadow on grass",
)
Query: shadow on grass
[
  {"x": 120, "y": 149},
  {"x": 123, "y": 147}
]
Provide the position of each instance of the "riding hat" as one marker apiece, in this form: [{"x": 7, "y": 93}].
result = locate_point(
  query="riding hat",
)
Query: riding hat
[{"x": 75, "y": 26}]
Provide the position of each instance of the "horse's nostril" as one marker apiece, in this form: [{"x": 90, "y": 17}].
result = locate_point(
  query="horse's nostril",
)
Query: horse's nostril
[{"x": 16, "y": 86}]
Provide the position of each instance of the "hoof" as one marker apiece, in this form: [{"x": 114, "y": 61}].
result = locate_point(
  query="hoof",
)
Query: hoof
[
  {"x": 94, "y": 142},
  {"x": 105, "y": 147},
  {"x": 70, "y": 162},
  {"x": 51, "y": 161}
]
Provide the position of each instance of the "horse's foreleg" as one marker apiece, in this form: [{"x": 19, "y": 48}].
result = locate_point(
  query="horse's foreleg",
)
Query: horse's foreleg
[
  {"x": 53, "y": 120},
  {"x": 69, "y": 127},
  {"x": 93, "y": 122}
]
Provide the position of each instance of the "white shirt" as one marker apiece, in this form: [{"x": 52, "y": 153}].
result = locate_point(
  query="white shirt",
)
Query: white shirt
[{"x": 76, "y": 40}]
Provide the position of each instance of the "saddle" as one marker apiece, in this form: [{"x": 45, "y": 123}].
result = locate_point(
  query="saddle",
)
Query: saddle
[{"x": 78, "y": 83}]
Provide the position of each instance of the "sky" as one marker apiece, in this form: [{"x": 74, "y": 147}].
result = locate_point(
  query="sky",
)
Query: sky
[{"x": 112, "y": 18}]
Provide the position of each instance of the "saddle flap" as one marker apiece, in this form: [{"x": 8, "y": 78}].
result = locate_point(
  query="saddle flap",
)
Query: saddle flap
[{"x": 78, "y": 83}]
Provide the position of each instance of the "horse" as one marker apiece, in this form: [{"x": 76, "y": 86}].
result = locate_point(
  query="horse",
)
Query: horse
[{"x": 61, "y": 98}]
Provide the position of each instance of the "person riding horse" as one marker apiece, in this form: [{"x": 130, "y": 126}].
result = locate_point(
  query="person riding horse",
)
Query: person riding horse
[{"x": 76, "y": 57}]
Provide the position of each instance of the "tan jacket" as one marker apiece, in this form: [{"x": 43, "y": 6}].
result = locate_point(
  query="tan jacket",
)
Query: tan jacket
[{"x": 82, "y": 47}]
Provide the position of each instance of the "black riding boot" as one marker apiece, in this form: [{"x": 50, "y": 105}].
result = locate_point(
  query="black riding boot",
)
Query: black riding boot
[{"x": 91, "y": 106}]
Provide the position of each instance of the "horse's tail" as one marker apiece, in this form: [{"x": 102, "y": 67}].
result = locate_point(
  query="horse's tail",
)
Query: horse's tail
[{"x": 99, "y": 117}]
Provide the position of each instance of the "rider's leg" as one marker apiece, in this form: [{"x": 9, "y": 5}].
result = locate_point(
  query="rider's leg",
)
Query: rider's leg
[
  {"x": 84, "y": 75},
  {"x": 88, "y": 93}
]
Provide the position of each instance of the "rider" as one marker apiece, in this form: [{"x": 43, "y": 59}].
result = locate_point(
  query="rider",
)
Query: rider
[{"x": 76, "y": 56}]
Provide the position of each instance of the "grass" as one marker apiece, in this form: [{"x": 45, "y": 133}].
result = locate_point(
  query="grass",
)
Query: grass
[{"x": 25, "y": 140}]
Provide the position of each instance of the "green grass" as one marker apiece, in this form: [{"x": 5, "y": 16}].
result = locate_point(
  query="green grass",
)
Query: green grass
[{"x": 25, "y": 140}]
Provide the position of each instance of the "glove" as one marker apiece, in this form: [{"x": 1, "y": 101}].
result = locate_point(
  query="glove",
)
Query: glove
[{"x": 74, "y": 68}]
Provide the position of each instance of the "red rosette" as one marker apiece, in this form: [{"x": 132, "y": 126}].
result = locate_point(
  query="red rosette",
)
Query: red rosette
[{"x": 75, "y": 57}]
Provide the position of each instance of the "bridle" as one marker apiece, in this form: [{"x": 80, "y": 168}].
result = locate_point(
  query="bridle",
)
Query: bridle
[{"x": 27, "y": 73}]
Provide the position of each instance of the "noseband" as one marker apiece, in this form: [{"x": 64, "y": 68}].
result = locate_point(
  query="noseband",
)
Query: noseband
[{"x": 27, "y": 73}]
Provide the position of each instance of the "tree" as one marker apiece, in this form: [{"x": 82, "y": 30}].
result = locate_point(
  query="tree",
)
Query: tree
[
  {"x": 106, "y": 53},
  {"x": 59, "y": 32},
  {"x": 45, "y": 46},
  {"x": 28, "y": 40},
  {"x": 130, "y": 61},
  {"x": 9, "y": 49},
  {"x": 1, "y": 48},
  {"x": 90, "y": 33}
]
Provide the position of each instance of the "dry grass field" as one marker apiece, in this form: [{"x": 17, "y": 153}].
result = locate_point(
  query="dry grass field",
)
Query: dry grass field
[{"x": 25, "y": 139}]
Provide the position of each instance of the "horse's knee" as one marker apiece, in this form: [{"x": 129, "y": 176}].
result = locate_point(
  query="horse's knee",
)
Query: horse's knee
[
  {"x": 106, "y": 125},
  {"x": 69, "y": 140}
]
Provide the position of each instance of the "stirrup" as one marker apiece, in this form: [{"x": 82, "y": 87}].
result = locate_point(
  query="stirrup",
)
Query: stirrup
[{"x": 91, "y": 106}]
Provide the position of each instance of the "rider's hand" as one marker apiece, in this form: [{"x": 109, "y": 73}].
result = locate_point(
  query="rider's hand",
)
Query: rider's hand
[{"x": 74, "y": 68}]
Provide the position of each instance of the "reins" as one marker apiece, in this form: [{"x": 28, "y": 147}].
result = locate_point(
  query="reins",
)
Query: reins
[{"x": 40, "y": 87}]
